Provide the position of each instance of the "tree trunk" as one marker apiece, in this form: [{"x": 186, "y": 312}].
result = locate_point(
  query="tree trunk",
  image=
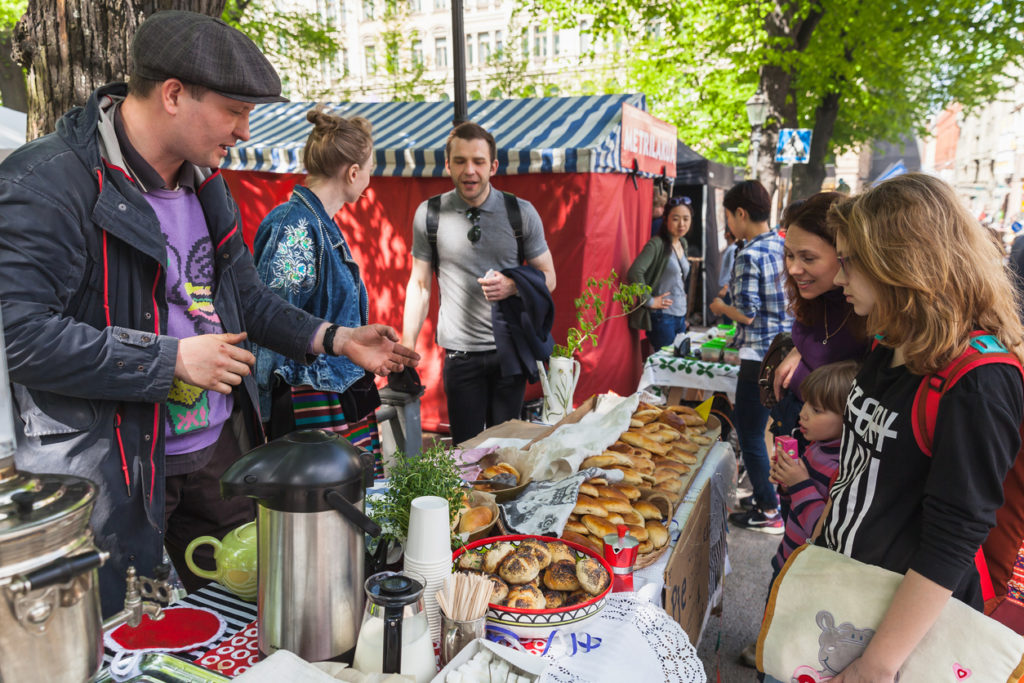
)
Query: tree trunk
[
  {"x": 807, "y": 178},
  {"x": 12, "y": 79},
  {"x": 70, "y": 48}
]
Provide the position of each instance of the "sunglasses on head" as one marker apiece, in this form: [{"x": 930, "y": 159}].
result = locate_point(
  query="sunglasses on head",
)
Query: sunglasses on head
[
  {"x": 676, "y": 201},
  {"x": 473, "y": 214}
]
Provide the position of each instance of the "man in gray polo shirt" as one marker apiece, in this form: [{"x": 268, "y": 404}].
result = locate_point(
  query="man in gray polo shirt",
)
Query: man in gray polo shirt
[{"x": 475, "y": 241}]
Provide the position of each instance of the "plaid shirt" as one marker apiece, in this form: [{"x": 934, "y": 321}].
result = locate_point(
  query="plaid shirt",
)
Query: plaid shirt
[{"x": 758, "y": 292}]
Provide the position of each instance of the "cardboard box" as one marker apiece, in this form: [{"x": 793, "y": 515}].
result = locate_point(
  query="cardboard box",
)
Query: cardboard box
[
  {"x": 685, "y": 596},
  {"x": 526, "y": 663}
]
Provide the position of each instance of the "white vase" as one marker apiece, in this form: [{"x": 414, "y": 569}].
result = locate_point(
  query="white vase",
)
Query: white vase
[{"x": 559, "y": 384}]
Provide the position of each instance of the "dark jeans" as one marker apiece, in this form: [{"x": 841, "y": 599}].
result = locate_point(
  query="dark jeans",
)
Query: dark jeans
[
  {"x": 478, "y": 395},
  {"x": 750, "y": 419},
  {"x": 664, "y": 328},
  {"x": 194, "y": 508}
]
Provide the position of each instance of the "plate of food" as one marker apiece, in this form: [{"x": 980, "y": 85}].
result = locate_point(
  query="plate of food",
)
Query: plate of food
[{"x": 539, "y": 583}]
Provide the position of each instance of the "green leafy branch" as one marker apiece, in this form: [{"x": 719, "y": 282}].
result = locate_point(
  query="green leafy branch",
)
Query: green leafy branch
[{"x": 591, "y": 312}]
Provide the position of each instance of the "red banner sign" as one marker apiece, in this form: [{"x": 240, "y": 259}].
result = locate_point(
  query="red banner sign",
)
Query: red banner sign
[{"x": 647, "y": 141}]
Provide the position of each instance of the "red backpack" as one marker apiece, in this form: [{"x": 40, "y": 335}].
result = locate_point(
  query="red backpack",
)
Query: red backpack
[{"x": 996, "y": 556}]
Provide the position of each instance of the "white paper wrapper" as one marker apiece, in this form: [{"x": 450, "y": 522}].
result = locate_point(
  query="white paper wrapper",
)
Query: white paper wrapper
[{"x": 560, "y": 454}]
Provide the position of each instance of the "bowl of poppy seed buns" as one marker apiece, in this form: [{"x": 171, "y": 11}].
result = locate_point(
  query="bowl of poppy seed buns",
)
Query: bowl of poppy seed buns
[{"x": 539, "y": 583}]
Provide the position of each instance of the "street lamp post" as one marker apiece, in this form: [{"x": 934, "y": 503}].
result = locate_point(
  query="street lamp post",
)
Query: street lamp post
[
  {"x": 459, "y": 64},
  {"x": 757, "y": 114}
]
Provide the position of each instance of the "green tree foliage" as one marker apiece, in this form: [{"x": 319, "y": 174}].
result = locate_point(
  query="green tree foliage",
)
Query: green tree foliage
[
  {"x": 12, "y": 76},
  {"x": 296, "y": 42},
  {"x": 854, "y": 71},
  {"x": 405, "y": 70}
]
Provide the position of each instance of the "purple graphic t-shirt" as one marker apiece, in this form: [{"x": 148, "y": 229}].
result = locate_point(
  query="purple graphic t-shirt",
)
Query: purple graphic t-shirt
[{"x": 194, "y": 415}]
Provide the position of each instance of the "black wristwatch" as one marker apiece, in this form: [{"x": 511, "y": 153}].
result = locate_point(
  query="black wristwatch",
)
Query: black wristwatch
[{"x": 329, "y": 340}]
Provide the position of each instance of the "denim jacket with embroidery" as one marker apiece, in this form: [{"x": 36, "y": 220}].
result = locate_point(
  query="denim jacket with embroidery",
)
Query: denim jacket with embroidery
[{"x": 303, "y": 257}]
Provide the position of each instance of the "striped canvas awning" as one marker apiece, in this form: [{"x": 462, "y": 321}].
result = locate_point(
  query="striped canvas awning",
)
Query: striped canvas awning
[{"x": 542, "y": 135}]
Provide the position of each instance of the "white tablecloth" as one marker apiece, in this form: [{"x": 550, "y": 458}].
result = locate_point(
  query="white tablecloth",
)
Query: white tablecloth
[{"x": 662, "y": 369}]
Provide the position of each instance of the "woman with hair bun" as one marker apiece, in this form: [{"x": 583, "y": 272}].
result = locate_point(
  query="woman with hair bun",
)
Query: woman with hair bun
[
  {"x": 303, "y": 256},
  {"x": 934, "y": 291}
]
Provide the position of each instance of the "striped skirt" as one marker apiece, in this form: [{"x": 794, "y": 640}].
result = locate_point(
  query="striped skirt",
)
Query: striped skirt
[{"x": 322, "y": 410}]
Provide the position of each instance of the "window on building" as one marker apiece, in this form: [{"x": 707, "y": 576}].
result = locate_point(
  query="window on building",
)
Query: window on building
[
  {"x": 482, "y": 4},
  {"x": 417, "y": 52},
  {"x": 585, "y": 37},
  {"x": 441, "y": 52},
  {"x": 498, "y": 45},
  {"x": 469, "y": 50},
  {"x": 415, "y": 6},
  {"x": 540, "y": 42},
  {"x": 440, "y": 4},
  {"x": 556, "y": 48},
  {"x": 341, "y": 63},
  {"x": 343, "y": 11},
  {"x": 485, "y": 47},
  {"x": 526, "y": 42},
  {"x": 371, "y": 59},
  {"x": 368, "y": 10}
]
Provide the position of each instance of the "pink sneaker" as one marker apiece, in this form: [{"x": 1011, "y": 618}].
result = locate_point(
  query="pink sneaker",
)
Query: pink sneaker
[{"x": 756, "y": 520}]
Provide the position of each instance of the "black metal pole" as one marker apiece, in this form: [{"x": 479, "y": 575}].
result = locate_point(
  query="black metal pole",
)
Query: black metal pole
[{"x": 459, "y": 63}]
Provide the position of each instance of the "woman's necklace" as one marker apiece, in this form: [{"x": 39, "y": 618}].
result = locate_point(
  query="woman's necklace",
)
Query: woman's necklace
[{"x": 836, "y": 331}]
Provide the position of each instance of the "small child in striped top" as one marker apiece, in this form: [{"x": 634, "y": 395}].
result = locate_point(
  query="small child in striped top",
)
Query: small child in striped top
[{"x": 804, "y": 481}]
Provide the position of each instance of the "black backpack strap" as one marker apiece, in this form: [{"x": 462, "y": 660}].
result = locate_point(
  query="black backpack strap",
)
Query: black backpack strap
[
  {"x": 515, "y": 219},
  {"x": 433, "y": 215}
]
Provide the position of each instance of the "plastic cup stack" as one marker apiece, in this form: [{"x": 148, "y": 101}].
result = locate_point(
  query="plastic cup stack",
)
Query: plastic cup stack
[{"x": 428, "y": 552}]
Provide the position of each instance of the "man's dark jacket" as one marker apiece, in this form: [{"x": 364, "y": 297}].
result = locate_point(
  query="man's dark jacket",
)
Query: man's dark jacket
[{"x": 82, "y": 259}]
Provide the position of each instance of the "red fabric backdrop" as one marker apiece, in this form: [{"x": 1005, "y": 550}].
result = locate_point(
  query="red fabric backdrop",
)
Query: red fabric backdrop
[{"x": 593, "y": 222}]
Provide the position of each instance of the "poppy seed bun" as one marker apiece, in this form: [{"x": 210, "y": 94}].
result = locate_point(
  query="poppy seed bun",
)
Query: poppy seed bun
[
  {"x": 592, "y": 576},
  {"x": 560, "y": 551},
  {"x": 538, "y": 549},
  {"x": 577, "y": 597},
  {"x": 496, "y": 554},
  {"x": 553, "y": 599},
  {"x": 525, "y": 597},
  {"x": 519, "y": 569},
  {"x": 499, "y": 590},
  {"x": 561, "y": 576}
]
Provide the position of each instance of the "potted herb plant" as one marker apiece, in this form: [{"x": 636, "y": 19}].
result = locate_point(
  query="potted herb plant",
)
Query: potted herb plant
[{"x": 559, "y": 381}]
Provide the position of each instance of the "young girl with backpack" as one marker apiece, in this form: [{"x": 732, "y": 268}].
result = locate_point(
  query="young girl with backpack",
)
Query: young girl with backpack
[{"x": 918, "y": 488}]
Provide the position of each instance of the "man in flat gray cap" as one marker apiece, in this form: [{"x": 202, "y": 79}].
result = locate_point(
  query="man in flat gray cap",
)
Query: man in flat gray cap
[{"x": 130, "y": 300}]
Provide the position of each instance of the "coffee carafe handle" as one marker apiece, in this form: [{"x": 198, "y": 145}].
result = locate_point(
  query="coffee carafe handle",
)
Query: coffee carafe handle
[
  {"x": 392, "y": 640},
  {"x": 352, "y": 514}
]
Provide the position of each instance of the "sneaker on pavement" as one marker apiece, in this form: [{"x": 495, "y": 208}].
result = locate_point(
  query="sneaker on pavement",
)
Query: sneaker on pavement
[
  {"x": 747, "y": 502},
  {"x": 755, "y": 520}
]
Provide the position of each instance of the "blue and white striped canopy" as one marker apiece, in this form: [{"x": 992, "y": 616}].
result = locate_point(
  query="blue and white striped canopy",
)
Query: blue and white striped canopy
[{"x": 542, "y": 135}]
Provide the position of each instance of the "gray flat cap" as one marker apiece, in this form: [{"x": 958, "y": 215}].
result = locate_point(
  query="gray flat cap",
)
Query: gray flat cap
[{"x": 205, "y": 51}]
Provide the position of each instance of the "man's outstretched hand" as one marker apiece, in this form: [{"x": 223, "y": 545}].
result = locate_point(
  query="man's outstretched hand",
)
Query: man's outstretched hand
[
  {"x": 375, "y": 348},
  {"x": 213, "y": 361}
]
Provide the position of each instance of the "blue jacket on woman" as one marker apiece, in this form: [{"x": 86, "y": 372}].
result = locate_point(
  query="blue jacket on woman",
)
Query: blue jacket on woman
[
  {"x": 303, "y": 257},
  {"x": 83, "y": 289}
]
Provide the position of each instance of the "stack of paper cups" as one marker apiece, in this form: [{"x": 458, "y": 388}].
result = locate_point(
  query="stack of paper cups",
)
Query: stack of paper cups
[{"x": 428, "y": 552}]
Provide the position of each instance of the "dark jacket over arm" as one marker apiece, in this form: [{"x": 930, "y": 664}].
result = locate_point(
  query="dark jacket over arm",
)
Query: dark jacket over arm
[{"x": 522, "y": 324}]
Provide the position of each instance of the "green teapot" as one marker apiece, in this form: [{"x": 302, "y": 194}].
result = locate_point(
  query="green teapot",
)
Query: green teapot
[{"x": 236, "y": 560}]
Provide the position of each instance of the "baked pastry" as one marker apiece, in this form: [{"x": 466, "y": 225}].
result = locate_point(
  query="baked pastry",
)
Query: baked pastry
[
  {"x": 561, "y": 576},
  {"x": 519, "y": 569},
  {"x": 610, "y": 492},
  {"x": 633, "y": 517},
  {"x": 688, "y": 414},
  {"x": 672, "y": 419},
  {"x": 656, "y": 533},
  {"x": 644, "y": 441},
  {"x": 615, "y": 518},
  {"x": 592, "y": 576},
  {"x": 577, "y": 537},
  {"x": 526, "y": 597},
  {"x": 500, "y": 468},
  {"x": 631, "y": 492},
  {"x": 606, "y": 459},
  {"x": 671, "y": 485},
  {"x": 630, "y": 476},
  {"x": 585, "y": 505},
  {"x": 496, "y": 554},
  {"x": 641, "y": 464},
  {"x": 633, "y": 422},
  {"x": 474, "y": 519},
  {"x": 610, "y": 505},
  {"x": 638, "y": 531},
  {"x": 647, "y": 509},
  {"x": 645, "y": 547},
  {"x": 621, "y": 447},
  {"x": 560, "y": 551},
  {"x": 594, "y": 543},
  {"x": 598, "y": 527},
  {"x": 575, "y": 526},
  {"x": 598, "y": 481},
  {"x": 499, "y": 590},
  {"x": 539, "y": 550},
  {"x": 646, "y": 416},
  {"x": 553, "y": 599},
  {"x": 666, "y": 474},
  {"x": 472, "y": 561},
  {"x": 588, "y": 489}
]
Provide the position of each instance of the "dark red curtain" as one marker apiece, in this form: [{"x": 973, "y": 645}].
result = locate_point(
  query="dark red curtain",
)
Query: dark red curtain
[{"x": 594, "y": 222}]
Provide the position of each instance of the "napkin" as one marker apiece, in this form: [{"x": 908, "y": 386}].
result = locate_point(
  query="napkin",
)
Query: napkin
[{"x": 287, "y": 666}]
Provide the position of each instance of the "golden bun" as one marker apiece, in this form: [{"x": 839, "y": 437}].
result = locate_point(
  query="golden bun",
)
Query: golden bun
[
  {"x": 589, "y": 489},
  {"x": 619, "y": 505},
  {"x": 585, "y": 505},
  {"x": 647, "y": 509},
  {"x": 526, "y": 597},
  {"x": 475, "y": 518},
  {"x": 592, "y": 576},
  {"x": 560, "y": 551},
  {"x": 610, "y": 492},
  {"x": 638, "y": 531},
  {"x": 656, "y": 533},
  {"x": 598, "y": 526},
  {"x": 576, "y": 527}
]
